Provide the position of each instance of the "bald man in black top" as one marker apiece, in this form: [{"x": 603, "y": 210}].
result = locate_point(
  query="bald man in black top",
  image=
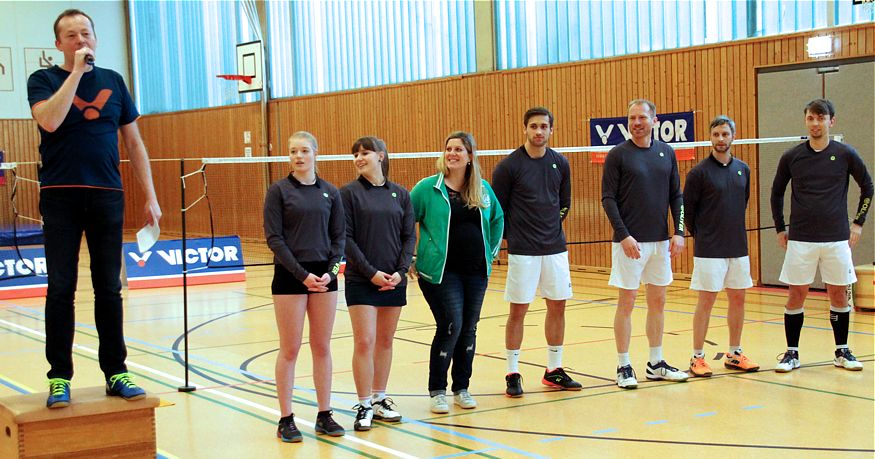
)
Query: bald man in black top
[{"x": 639, "y": 184}]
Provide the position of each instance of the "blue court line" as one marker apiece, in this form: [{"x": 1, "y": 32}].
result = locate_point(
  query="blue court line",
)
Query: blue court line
[
  {"x": 14, "y": 387},
  {"x": 752, "y": 407},
  {"x": 703, "y": 415},
  {"x": 604, "y": 431},
  {"x": 465, "y": 453},
  {"x": 653, "y": 423},
  {"x": 170, "y": 350},
  {"x": 473, "y": 438},
  {"x": 552, "y": 439}
]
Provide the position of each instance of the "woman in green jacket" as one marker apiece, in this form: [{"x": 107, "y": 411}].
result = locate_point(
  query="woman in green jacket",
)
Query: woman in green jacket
[{"x": 460, "y": 229}]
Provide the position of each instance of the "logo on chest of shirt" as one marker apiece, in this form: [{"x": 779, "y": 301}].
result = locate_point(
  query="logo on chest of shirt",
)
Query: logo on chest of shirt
[{"x": 91, "y": 110}]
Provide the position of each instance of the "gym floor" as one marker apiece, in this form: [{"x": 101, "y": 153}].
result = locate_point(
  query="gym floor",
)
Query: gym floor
[{"x": 815, "y": 411}]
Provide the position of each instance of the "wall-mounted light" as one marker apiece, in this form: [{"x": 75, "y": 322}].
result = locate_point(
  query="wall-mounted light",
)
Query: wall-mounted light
[{"x": 820, "y": 46}]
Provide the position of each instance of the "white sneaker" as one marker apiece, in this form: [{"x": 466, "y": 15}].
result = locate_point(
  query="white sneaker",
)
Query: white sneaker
[
  {"x": 464, "y": 400},
  {"x": 664, "y": 371},
  {"x": 626, "y": 377},
  {"x": 789, "y": 362},
  {"x": 363, "y": 417},
  {"x": 439, "y": 404},
  {"x": 384, "y": 411},
  {"x": 845, "y": 359}
]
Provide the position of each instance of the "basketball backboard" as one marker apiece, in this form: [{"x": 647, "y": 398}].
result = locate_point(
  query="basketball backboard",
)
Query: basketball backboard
[{"x": 249, "y": 63}]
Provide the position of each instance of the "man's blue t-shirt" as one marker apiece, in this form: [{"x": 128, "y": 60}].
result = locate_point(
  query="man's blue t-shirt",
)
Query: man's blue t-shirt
[{"x": 83, "y": 151}]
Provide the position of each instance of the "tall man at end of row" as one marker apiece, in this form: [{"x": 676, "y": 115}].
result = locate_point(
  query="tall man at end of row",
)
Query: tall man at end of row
[{"x": 819, "y": 236}]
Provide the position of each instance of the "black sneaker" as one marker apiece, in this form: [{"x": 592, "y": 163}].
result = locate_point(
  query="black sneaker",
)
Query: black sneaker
[
  {"x": 626, "y": 377},
  {"x": 666, "y": 372},
  {"x": 325, "y": 425},
  {"x": 788, "y": 362},
  {"x": 288, "y": 431},
  {"x": 560, "y": 380},
  {"x": 384, "y": 410},
  {"x": 845, "y": 359},
  {"x": 363, "y": 417},
  {"x": 514, "y": 385}
]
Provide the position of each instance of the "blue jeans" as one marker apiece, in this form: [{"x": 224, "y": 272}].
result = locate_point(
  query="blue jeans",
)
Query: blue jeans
[
  {"x": 455, "y": 304},
  {"x": 99, "y": 213}
]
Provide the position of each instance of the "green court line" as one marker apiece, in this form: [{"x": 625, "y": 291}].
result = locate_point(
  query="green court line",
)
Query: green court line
[
  {"x": 619, "y": 391},
  {"x": 442, "y": 442},
  {"x": 234, "y": 378},
  {"x": 748, "y": 377}
]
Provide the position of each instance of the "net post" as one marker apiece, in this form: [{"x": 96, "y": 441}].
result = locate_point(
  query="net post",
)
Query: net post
[{"x": 187, "y": 387}]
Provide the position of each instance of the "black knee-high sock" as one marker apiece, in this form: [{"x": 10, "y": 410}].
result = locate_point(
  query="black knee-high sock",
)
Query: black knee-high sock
[
  {"x": 793, "y": 327},
  {"x": 839, "y": 322}
]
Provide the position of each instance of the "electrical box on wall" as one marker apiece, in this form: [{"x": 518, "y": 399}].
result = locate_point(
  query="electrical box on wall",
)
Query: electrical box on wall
[{"x": 247, "y": 137}]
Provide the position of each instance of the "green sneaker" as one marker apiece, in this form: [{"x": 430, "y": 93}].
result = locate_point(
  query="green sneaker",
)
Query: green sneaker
[
  {"x": 59, "y": 393},
  {"x": 121, "y": 385}
]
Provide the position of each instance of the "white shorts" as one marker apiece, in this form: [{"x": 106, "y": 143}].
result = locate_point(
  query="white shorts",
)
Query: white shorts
[
  {"x": 715, "y": 274},
  {"x": 803, "y": 258},
  {"x": 548, "y": 273},
  {"x": 654, "y": 266}
]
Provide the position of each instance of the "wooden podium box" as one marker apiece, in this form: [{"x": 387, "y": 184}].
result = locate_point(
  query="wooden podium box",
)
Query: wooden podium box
[{"x": 94, "y": 425}]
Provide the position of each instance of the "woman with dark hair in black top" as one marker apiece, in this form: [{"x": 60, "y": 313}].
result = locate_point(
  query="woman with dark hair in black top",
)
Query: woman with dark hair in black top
[
  {"x": 379, "y": 248},
  {"x": 304, "y": 227}
]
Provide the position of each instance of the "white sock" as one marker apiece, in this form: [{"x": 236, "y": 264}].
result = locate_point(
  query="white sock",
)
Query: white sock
[
  {"x": 513, "y": 360},
  {"x": 842, "y": 346},
  {"x": 793, "y": 349},
  {"x": 554, "y": 357},
  {"x": 365, "y": 402},
  {"x": 624, "y": 359},
  {"x": 655, "y": 355},
  {"x": 698, "y": 353},
  {"x": 378, "y": 396},
  {"x": 735, "y": 349}
]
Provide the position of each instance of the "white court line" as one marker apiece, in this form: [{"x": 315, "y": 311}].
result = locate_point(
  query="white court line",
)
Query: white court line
[{"x": 234, "y": 398}]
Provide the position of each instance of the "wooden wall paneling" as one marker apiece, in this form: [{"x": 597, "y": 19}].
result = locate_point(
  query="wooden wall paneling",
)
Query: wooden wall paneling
[{"x": 417, "y": 116}]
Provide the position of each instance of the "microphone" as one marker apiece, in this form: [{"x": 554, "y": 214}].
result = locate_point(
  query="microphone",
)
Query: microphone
[{"x": 89, "y": 59}]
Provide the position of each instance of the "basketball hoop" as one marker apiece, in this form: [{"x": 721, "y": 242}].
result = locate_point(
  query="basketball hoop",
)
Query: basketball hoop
[{"x": 244, "y": 78}]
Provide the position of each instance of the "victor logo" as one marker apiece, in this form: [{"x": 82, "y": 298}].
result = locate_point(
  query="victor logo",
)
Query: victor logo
[{"x": 91, "y": 110}]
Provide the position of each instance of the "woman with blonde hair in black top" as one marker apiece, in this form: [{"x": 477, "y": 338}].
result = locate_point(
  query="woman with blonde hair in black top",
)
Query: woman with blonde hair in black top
[
  {"x": 379, "y": 248},
  {"x": 304, "y": 227}
]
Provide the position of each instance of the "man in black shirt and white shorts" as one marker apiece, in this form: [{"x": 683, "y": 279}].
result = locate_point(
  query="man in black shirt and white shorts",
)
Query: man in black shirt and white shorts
[
  {"x": 639, "y": 184},
  {"x": 533, "y": 185},
  {"x": 715, "y": 206},
  {"x": 819, "y": 234}
]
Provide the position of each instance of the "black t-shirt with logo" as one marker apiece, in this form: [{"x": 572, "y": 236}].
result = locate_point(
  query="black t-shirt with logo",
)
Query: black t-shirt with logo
[
  {"x": 535, "y": 194},
  {"x": 83, "y": 151},
  {"x": 715, "y": 204}
]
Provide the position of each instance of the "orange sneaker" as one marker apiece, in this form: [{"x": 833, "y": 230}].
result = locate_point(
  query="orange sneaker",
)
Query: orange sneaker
[
  {"x": 735, "y": 361},
  {"x": 699, "y": 367}
]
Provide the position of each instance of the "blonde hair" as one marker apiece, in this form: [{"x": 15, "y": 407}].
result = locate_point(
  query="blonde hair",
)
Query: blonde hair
[
  {"x": 306, "y": 136},
  {"x": 313, "y": 145},
  {"x": 472, "y": 192}
]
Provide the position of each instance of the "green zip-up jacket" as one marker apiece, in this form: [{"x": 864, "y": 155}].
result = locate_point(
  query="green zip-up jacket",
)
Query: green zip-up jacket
[{"x": 431, "y": 207}]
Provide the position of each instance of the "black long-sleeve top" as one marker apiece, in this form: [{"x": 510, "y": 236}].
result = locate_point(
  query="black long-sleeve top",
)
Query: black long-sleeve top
[
  {"x": 715, "y": 201},
  {"x": 304, "y": 223},
  {"x": 535, "y": 194},
  {"x": 380, "y": 229},
  {"x": 638, "y": 187},
  {"x": 819, "y": 183}
]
